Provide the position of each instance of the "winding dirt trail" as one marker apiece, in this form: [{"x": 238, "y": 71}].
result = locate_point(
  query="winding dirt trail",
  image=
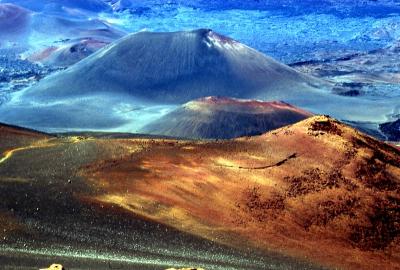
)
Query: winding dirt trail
[
  {"x": 8, "y": 154},
  {"x": 38, "y": 144}
]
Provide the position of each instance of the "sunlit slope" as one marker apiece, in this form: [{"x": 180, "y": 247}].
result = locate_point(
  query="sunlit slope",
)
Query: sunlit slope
[
  {"x": 50, "y": 213},
  {"x": 316, "y": 189}
]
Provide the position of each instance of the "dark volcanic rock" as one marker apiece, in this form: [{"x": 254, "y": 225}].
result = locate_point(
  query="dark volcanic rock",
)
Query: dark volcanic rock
[{"x": 391, "y": 130}]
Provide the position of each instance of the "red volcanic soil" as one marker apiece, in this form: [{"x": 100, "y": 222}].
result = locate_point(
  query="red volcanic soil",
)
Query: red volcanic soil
[
  {"x": 43, "y": 55},
  {"x": 317, "y": 190}
]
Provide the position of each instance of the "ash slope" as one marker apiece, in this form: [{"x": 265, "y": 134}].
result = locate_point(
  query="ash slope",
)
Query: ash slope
[
  {"x": 225, "y": 118},
  {"x": 175, "y": 68}
]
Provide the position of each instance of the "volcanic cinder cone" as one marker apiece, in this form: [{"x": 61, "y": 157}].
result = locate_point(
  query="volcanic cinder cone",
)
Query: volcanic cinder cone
[
  {"x": 134, "y": 80},
  {"x": 225, "y": 118}
]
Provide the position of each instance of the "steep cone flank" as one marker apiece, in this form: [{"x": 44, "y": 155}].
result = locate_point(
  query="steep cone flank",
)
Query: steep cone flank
[{"x": 175, "y": 68}]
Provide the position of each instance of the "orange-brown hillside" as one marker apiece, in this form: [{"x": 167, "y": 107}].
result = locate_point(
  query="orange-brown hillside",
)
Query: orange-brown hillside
[
  {"x": 11, "y": 136},
  {"x": 317, "y": 189}
]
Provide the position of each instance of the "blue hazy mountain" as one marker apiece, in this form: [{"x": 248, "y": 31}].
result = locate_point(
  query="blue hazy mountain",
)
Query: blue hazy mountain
[
  {"x": 14, "y": 23},
  {"x": 35, "y": 25}
]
